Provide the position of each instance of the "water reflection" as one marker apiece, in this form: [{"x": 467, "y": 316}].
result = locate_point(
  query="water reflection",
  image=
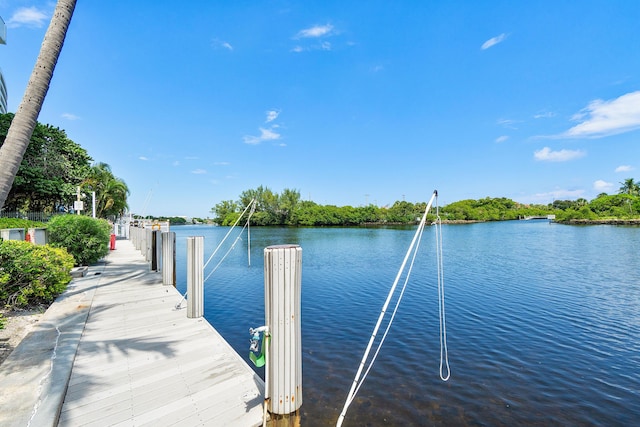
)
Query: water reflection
[{"x": 544, "y": 322}]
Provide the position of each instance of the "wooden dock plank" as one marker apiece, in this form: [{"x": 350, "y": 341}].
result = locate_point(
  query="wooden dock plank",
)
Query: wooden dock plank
[{"x": 140, "y": 361}]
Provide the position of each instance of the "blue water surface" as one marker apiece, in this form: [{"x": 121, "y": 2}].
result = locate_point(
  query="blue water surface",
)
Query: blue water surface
[{"x": 543, "y": 320}]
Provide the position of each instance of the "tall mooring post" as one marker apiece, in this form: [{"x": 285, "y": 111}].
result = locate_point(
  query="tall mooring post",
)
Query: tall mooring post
[
  {"x": 169, "y": 258},
  {"x": 155, "y": 250},
  {"x": 282, "y": 290},
  {"x": 195, "y": 276},
  {"x": 146, "y": 245}
]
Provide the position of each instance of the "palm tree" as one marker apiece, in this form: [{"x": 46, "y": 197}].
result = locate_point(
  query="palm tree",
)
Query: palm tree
[
  {"x": 581, "y": 202},
  {"x": 113, "y": 200},
  {"x": 111, "y": 192},
  {"x": 630, "y": 187},
  {"x": 26, "y": 117}
]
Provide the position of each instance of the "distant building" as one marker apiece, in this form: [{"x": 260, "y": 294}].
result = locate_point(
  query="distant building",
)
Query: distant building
[{"x": 3, "y": 85}]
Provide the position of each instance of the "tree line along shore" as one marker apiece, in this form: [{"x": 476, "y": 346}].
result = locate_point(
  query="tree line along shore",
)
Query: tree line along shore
[{"x": 287, "y": 209}]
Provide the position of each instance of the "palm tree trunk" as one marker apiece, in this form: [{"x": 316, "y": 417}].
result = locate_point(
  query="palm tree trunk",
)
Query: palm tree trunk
[{"x": 21, "y": 129}]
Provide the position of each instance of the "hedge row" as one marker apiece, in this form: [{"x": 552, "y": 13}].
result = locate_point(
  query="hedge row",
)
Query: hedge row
[
  {"x": 32, "y": 274},
  {"x": 20, "y": 223},
  {"x": 86, "y": 238}
]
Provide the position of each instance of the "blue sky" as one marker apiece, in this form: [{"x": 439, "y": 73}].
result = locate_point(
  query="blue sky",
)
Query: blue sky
[{"x": 349, "y": 103}]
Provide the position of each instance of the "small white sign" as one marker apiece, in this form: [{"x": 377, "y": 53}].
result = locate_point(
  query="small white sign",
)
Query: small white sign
[{"x": 78, "y": 205}]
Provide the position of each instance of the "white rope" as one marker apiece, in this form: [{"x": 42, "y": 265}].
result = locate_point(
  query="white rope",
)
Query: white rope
[
  {"x": 224, "y": 257},
  {"x": 393, "y": 315},
  {"x": 246, "y": 225},
  {"x": 357, "y": 380},
  {"x": 251, "y": 203},
  {"x": 444, "y": 353},
  {"x": 267, "y": 398}
]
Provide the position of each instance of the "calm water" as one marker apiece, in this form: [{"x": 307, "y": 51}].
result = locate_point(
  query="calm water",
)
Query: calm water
[{"x": 543, "y": 321}]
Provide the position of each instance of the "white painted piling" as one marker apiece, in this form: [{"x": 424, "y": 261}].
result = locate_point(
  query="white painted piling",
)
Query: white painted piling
[
  {"x": 169, "y": 258},
  {"x": 148, "y": 235},
  {"x": 133, "y": 235},
  {"x": 282, "y": 286},
  {"x": 140, "y": 244},
  {"x": 195, "y": 276}
]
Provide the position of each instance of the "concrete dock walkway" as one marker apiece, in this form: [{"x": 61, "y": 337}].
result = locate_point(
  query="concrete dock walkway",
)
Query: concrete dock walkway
[{"x": 113, "y": 350}]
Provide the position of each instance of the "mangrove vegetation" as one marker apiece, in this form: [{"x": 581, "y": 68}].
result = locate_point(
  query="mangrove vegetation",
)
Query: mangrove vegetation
[{"x": 288, "y": 209}]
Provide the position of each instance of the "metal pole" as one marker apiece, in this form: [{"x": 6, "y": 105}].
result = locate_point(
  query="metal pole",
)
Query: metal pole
[{"x": 195, "y": 276}]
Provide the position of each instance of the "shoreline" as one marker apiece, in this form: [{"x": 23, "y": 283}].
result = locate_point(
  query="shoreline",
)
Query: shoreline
[{"x": 633, "y": 221}]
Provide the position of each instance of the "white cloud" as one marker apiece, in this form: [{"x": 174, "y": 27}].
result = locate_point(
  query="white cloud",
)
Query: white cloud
[
  {"x": 143, "y": 158},
  {"x": 315, "y": 31},
  {"x": 253, "y": 140},
  {"x": 265, "y": 135},
  {"x": 547, "y": 155},
  {"x": 603, "y": 186},
  {"x": 508, "y": 123},
  {"x": 70, "y": 116},
  {"x": 199, "y": 171},
  {"x": 176, "y": 163},
  {"x": 544, "y": 115},
  {"x": 326, "y": 46},
  {"x": 604, "y": 118},
  {"x": 222, "y": 163},
  {"x": 316, "y": 34},
  {"x": 501, "y": 139},
  {"x": 268, "y": 134},
  {"x": 558, "y": 194},
  {"x": 493, "y": 41},
  {"x": 624, "y": 168},
  {"x": 217, "y": 44},
  {"x": 272, "y": 115},
  {"x": 28, "y": 17}
]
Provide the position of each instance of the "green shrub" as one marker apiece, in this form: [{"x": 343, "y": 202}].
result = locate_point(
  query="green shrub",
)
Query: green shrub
[
  {"x": 86, "y": 238},
  {"x": 31, "y": 274},
  {"x": 573, "y": 213},
  {"x": 20, "y": 223}
]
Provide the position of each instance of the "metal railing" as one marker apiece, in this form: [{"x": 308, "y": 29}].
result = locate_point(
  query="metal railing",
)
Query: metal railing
[{"x": 32, "y": 216}]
